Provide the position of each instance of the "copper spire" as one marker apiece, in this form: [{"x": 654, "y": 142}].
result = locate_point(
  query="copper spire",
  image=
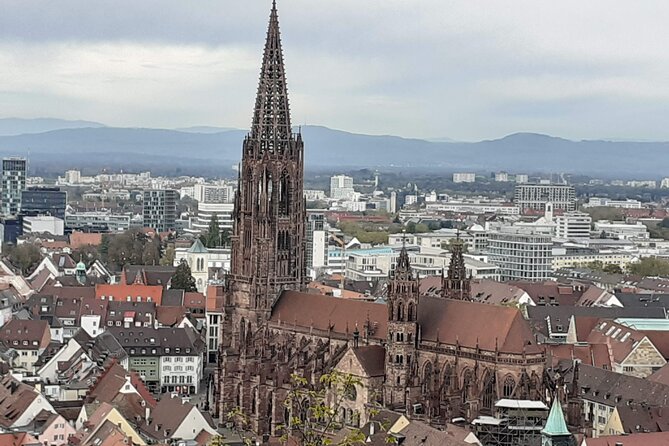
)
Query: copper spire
[{"x": 271, "y": 117}]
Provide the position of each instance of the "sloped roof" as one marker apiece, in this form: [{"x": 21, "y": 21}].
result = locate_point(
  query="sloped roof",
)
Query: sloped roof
[
  {"x": 15, "y": 398},
  {"x": 168, "y": 415},
  {"x": 647, "y": 439},
  {"x": 197, "y": 247},
  {"x": 596, "y": 355},
  {"x": 470, "y": 324},
  {"x": 372, "y": 359},
  {"x": 555, "y": 425},
  {"x": 325, "y": 312},
  {"x": 444, "y": 320}
]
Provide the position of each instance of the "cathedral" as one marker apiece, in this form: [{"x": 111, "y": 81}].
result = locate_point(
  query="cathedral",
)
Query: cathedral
[{"x": 434, "y": 357}]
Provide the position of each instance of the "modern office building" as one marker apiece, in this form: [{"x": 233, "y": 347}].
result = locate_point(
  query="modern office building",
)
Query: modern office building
[
  {"x": 464, "y": 177},
  {"x": 535, "y": 196},
  {"x": 573, "y": 225},
  {"x": 317, "y": 246},
  {"x": 13, "y": 184},
  {"x": 520, "y": 254},
  {"x": 206, "y": 211},
  {"x": 97, "y": 221},
  {"x": 44, "y": 201},
  {"x": 43, "y": 223},
  {"x": 341, "y": 187},
  {"x": 160, "y": 209}
]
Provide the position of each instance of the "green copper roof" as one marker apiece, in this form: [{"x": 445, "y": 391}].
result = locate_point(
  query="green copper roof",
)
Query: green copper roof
[
  {"x": 555, "y": 425},
  {"x": 197, "y": 247},
  {"x": 81, "y": 266}
]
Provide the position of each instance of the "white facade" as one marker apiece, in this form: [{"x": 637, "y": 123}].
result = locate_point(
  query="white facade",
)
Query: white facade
[
  {"x": 621, "y": 230},
  {"x": 214, "y": 193},
  {"x": 392, "y": 205},
  {"x": 605, "y": 202},
  {"x": 410, "y": 199},
  {"x": 341, "y": 187},
  {"x": 521, "y": 255},
  {"x": 474, "y": 207},
  {"x": 314, "y": 195},
  {"x": 664, "y": 183},
  {"x": 181, "y": 371},
  {"x": 206, "y": 211},
  {"x": 573, "y": 225},
  {"x": 535, "y": 196},
  {"x": 52, "y": 225},
  {"x": 464, "y": 177},
  {"x": 501, "y": 177},
  {"x": 355, "y": 206},
  {"x": 522, "y": 178}
]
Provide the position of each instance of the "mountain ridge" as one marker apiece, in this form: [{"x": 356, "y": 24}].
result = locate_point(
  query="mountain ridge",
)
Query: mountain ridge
[{"x": 212, "y": 149}]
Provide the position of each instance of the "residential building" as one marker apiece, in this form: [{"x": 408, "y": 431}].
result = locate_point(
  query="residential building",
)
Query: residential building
[
  {"x": 43, "y": 223},
  {"x": 535, "y": 196},
  {"x": 341, "y": 187},
  {"x": 29, "y": 338},
  {"x": 214, "y": 193},
  {"x": 20, "y": 403},
  {"x": 175, "y": 419},
  {"x": 501, "y": 177},
  {"x": 520, "y": 255},
  {"x": 573, "y": 225},
  {"x": 44, "y": 201},
  {"x": 314, "y": 195},
  {"x": 167, "y": 359},
  {"x": 13, "y": 184},
  {"x": 522, "y": 178},
  {"x": 160, "y": 209},
  {"x": 464, "y": 177},
  {"x": 215, "y": 295}
]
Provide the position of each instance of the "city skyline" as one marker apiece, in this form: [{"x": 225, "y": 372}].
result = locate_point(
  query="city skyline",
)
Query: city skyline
[{"x": 464, "y": 70}]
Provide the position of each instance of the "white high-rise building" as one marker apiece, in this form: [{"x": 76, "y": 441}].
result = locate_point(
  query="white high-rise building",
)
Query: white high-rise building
[
  {"x": 341, "y": 187},
  {"x": 317, "y": 246},
  {"x": 213, "y": 193},
  {"x": 573, "y": 225},
  {"x": 72, "y": 176},
  {"x": 664, "y": 183},
  {"x": 392, "y": 206},
  {"x": 522, "y": 178},
  {"x": 464, "y": 177},
  {"x": 501, "y": 177}
]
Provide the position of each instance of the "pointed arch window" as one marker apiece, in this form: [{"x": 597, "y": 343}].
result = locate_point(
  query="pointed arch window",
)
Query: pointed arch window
[{"x": 509, "y": 386}]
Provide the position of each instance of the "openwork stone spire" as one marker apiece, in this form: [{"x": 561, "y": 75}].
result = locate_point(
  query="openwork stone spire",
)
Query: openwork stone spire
[
  {"x": 457, "y": 284},
  {"x": 271, "y": 117}
]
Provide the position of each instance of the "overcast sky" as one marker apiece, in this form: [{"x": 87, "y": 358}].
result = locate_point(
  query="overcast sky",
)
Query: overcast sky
[{"x": 467, "y": 69}]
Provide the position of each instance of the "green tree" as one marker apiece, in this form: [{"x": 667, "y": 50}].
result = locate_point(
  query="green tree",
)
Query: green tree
[
  {"x": 168, "y": 258},
  {"x": 613, "y": 269},
  {"x": 664, "y": 223},
  {"x": 650, "y": 266},
  {"x": 213, "y": 236},
  {"x": 182, "y": 278},
  {"x": 87, "y": 253},
  {"x": 25, "y": 256}
]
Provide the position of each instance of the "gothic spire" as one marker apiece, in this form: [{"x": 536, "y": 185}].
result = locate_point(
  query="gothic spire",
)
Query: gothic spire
[
  {"x": 271, "y": 117},
  {"x": 403, "y": 268}
]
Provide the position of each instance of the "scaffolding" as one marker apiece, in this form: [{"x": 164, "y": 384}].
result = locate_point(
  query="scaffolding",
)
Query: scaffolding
[{"x": 516, "y": 423}]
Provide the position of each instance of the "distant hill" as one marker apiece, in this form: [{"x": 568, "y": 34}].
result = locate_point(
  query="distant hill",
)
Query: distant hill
[
  {"x": 215, "y": 152},
  {"x": 18, "y": 126},
  {"x": 205, "y": 129}
]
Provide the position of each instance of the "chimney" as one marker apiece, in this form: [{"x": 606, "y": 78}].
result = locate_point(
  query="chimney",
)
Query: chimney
[
  {"x": 147, "y": 413},
  {"x": 372, "y": 425}
]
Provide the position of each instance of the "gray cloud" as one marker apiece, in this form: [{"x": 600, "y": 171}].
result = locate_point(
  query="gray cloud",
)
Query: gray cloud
[{"x": 467, "y": 69}]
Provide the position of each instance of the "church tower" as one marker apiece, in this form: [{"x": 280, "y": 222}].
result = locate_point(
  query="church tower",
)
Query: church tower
[
  {"x": 268, "y": 243},
  {"x": 401, "y": 360},
  {"x": 457, "y": 284}
]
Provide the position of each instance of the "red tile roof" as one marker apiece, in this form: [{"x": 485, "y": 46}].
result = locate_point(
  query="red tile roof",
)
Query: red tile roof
[
  {"x": 649, "y": 439},
  {"x": 120, "y": 292}
]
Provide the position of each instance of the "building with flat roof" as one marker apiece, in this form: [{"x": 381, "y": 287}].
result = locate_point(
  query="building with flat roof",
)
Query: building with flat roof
[
  {"x": 521, "y": 255},
  {"x": 160, "y": 209},
  {"x": 13, "y": 183},
  {"x": 535, "y": 196},
  {"x": 44, "y": 201}
]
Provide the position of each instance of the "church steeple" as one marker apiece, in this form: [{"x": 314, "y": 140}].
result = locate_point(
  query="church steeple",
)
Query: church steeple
[
  {"x": 271, "y": 117},
  {"x": 268, "y": 242},
  {"x": 457, "y": 284}
]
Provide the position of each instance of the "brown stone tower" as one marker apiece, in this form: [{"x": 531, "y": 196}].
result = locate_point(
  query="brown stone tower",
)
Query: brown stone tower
[
  {"x": 401, "y": 361},
  {"x": 457, "y": 284},
  {"x": 268, "y": 244}
]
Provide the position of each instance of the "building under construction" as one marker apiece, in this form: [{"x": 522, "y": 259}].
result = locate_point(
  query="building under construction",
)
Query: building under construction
[{"x": 516, "y": 423}]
